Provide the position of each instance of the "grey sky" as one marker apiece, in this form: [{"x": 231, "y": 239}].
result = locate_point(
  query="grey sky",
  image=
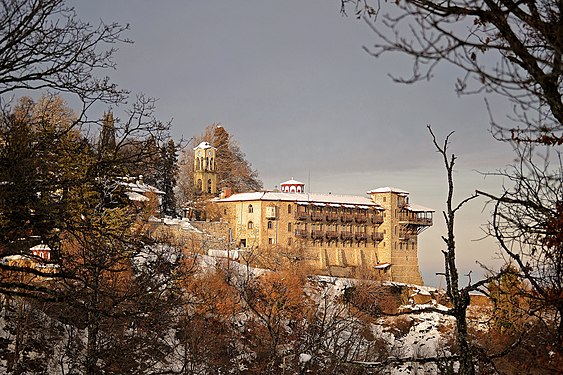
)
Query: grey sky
[{"x": 290, "y": 81}]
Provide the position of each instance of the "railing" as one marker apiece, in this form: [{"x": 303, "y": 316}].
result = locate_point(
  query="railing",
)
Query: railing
[
  {"x": 331, "y": 235},
  {"x": 301, "y": 215},
  {"x": 377, "y": 236},
  {"x": 376, "y": 219},
  {"x": 406, "y": 236},
  {"x": 360, "y": 219},
  {"x": 346, "y": 235},
  {"x": 415, "y": 220},
  {"x": 316, "y": 216},
  {"x": 331, "y": 216},
  {"x": 361, "y": 236},
  {"x": 346, "y": 218},
  {"x": 317, "y": 234},
  {"x": 301, "y": 233}
]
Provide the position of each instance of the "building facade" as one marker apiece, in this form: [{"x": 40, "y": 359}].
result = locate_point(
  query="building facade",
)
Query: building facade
[
  {"x": 340, "y": 235},
  {"x": 205, "y": 173}
]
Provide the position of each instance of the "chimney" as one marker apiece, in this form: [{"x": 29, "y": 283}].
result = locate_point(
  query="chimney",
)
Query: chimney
[{"x": 226, "y": 192}]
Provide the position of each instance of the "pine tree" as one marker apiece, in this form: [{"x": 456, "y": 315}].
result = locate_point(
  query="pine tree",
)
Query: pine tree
[{"x": 168, "y": 171}]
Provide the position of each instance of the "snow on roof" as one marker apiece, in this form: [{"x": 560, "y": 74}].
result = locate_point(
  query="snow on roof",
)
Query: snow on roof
[
  {"x": 419, "y": 208},
  {"x": 134, "y": 196},
  {"x": 141, "y": 188},
  {"x": 303, "y": 198},
  {"x": 292, "y": 182},
  {"x": 382, "y": 266},
  {"x": 388, "y": 189},
  {"x": 40, "y": 247},
  {"x": 203, "y": 145}
]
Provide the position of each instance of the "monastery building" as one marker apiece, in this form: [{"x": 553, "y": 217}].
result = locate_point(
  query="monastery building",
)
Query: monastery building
[{"x": 340, "y": 235}]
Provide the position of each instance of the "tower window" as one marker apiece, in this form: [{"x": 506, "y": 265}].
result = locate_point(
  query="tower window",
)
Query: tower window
[
  {"x": 209, "y": 187},
  {"x": 289, "y": 227},
  {"x": 289, "y": 208},
  {"x": 250, "y": 209},
  {"x": 250, "y": 225},
  {"x": 270, "y": 224}
]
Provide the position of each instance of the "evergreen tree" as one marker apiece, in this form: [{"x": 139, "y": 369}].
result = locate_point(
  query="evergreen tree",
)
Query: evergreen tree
[{"x": 168, "y": 171}]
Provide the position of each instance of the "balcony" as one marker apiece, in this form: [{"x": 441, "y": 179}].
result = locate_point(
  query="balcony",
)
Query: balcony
[
  {"x": 361, "y": 219},
  {"x": 407, "y": 236},
  {"x": 376, "y": 219},
  {"x": 301, "y": 215},
  {"x": 377, "y": 236},
  {"x": 361, "y": 236},
  {"x": 317, "y": 216},
  {"x": 331, "y": 216},
  {"x": 346, "y": 218},
  {"x": 317, "y": 234},
  {"x": 346, "y": 235},
  {"x": 301, "y": 233},
  {"x": 413, "y": 219},
  {"x": 331, "y": 235}
]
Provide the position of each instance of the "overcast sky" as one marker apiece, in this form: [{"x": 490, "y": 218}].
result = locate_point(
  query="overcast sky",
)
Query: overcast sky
[{"x": 289, "y": 80}]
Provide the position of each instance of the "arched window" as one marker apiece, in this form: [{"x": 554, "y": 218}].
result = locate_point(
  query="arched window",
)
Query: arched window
[
  {"x": 289, "y": 208},
  {"x": 209, "y": 188},
  {"x": 270, "y": 225},
  {"x": 250, "y": 225},
  {"x": 199, "y": 185},
  {"x": 250, "y": 209},
  {"x": 211, "y": 165},
  {"x": 289, "y": 241},
  {"x": 289, "y": 227}
]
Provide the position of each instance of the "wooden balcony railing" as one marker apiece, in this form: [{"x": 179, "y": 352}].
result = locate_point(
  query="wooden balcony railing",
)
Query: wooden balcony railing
[
  {"x": 361, "y": 236},
  {"x": 301, "y": 233},
  {"x": 346, "y": 218},
  {"x": 317, "y": 234},
  {"x": 317, "y": 216},
  {"x": 377, "y": 236},
  {"x": 332, "y": 216},
  {"x": 346, "y": 235},
  {"x": 331, "y": 235},
  {"x": 301, "y": 215},
  {"x": 376, "y": 219},
  {"x": 361, "y": 219}
]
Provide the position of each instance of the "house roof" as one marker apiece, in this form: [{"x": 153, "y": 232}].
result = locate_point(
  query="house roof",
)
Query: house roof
[
  {"x": 292, "y": 182},
  {"x": 203, "y": 145},
  {"x": 305, "y": 198},
  {"x": 388, "y": 189},
  {"x": 419, "y": 208}
]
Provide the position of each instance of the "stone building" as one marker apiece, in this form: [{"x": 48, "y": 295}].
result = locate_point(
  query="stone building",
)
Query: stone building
[
  {"x": 339, "y": 235},
  {"x": 205, "y": 174}
]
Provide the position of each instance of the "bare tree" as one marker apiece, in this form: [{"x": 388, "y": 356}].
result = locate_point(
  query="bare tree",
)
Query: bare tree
[
  {"x": 43, "y": 45},
  {"x": 527, "y": 222},
  {"x": 507, "y": 47}
]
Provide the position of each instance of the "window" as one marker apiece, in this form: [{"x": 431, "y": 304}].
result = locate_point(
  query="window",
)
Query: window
[
  {"x": 199, "y": 185},
  {"x": 270, "y": 241},
  {"x": 250, "y": 209},
  {"x": 270, "y": 224},
  {"x": 250, "y": 225},
  {"x": 289, "y": 208},
  {"x": 289, "y": 242},
  {"x": 384, "y": 199},
  {"x": 209, "y": 187},
  {"x": 289, "y": 227}
]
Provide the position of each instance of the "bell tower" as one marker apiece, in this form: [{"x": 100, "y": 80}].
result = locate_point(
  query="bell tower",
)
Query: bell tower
[{"x": 205, "y": 174}]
